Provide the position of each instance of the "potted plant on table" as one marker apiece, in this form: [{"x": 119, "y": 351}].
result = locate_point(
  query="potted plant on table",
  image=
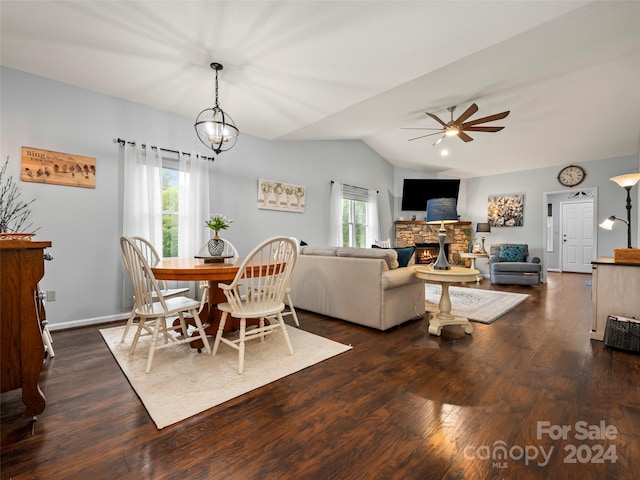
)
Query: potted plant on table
[{"x": 216, "y": 223}]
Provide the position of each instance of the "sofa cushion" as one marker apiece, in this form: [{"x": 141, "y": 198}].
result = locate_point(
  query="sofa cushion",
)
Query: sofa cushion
[
  {"x": 512, "y": 253},
  {"x": 389, "y": 255},
  {"x": 516, "y": 267},
  {"x": 321, "y": 251}
]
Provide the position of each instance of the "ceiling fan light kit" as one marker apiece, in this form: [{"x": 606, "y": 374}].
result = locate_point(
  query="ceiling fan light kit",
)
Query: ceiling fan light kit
[{"x": 459, "y": 126}]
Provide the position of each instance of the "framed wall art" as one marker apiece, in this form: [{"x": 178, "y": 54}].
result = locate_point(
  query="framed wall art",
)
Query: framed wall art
[
  {"x": 275, "y": 195},
  {"x": 506, "y": 210},
  {"x": 57, "y": 168}
]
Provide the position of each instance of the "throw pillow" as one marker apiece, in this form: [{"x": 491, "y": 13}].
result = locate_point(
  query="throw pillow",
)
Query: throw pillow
[
  {"x": 512, "y": 253},
  {"x": 404, "y": 254}
]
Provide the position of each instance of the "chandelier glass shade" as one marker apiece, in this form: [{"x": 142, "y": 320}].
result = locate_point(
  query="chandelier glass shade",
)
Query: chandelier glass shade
[{"x": 215, "y": 128}]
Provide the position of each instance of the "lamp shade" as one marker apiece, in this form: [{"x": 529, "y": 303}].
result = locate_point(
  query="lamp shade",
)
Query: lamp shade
[
  {"x": 442, "y": 210},
  {"x": 627, "y": 180},
  {"x": 483, "y": 228},
  {"x": 608, "y": 223}
]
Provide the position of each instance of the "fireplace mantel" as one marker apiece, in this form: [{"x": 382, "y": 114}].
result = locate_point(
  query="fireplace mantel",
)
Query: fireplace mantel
[{"x": 412, "y": 232}]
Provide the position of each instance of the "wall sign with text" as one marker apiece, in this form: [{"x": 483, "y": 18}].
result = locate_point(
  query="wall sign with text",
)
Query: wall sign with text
[{"x": 57, "y": 168}]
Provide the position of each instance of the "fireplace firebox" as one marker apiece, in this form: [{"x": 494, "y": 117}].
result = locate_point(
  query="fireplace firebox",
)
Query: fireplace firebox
[{"x": 428, "y": 252}]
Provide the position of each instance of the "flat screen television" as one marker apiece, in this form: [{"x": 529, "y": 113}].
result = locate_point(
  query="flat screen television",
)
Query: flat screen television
[{"x": 416, "y": 192}]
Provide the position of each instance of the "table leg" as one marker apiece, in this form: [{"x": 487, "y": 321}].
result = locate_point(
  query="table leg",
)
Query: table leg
[{"x": 444, "y": 316}]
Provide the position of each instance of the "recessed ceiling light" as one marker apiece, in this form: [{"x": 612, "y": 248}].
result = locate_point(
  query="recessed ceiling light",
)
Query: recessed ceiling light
[{"x": 444, "y": 152}]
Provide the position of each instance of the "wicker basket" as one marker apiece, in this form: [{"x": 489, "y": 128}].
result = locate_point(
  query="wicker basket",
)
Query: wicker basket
[
  {"x": 16, "y": 236},
  {"x": 626, "y": 255}
]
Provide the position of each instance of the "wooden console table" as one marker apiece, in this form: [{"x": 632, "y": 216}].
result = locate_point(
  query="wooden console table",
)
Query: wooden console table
[
  {"x": 21, "y": 340},
  {"x": 614, "y": 291}
]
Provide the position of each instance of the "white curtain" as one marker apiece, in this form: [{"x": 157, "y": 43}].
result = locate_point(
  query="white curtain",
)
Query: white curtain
[
  {"x": 142, "y": 202},
  {"x": 193, "y": 203},
  {"x": 373, "y": 227},
  {"x": 335, "y": 215}
]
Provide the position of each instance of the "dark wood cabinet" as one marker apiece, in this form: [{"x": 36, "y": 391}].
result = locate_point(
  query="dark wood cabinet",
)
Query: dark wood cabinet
[{"x": 22, "y": 350}]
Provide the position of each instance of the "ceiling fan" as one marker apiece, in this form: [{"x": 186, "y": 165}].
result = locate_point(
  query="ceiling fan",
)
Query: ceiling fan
[{"x": 460, "y": 126}]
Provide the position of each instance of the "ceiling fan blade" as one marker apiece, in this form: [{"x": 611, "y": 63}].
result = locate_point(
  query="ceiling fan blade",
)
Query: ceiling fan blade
[
  {"x": 473, "y": 108},
  {"x": 483, "y": 129},
  {"x": 427, "y": 135},
  {"x": 464, "y": 137},
  {"x": 419, "y": 128},
  {"x": 436, "y": 119},
  {"x": 490, "y": 118}
]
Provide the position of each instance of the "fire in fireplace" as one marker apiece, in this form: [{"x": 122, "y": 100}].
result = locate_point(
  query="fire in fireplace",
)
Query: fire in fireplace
[{"x": 428, "y": 252}]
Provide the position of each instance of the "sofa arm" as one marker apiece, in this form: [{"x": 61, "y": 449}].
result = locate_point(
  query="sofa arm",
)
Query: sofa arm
[
  {"x": 494, "y": 259},
  {"x": 531, "y": 259}
]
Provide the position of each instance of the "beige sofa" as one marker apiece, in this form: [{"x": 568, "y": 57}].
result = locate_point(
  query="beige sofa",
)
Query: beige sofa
[{"x": 359, "y": 285}]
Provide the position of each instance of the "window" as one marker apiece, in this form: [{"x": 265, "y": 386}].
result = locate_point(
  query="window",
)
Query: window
[
  {"x": 354, "y": 216},
  {"x": 170, "y": 195}
]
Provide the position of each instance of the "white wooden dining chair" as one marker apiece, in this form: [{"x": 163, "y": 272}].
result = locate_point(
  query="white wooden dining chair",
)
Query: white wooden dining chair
[
  {"x": 154, "y": 310},
  {"x": 291, "y": 310},
  {"x": 229, "y": 250},
  {"x": 383, "y": 243},
  {"x": 150, "y": 254},
  {"x": 258, "y": 291}
]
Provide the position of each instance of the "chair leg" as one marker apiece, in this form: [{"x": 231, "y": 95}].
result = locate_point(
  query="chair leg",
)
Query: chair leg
[
  {"x": 46, "y": 338},
  {"x": 203, "y": 334},
  {"x": 136, "y": 337},
  {"x": 128, "y": 326},
  {"x": 283, "y": 327},
  {"x": 216, "y": 344},
  {"x": 154, "y": 342},
  {"x": 243, "y": 328},
  {"x": 293, "y": 310}
]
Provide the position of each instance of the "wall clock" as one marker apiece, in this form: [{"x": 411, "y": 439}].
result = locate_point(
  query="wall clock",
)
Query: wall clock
[{"x": 571, "y": 175}]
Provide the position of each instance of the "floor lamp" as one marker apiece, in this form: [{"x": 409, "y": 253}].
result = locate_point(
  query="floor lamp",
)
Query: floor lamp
[
  {"x": 442, "y": 210},
  {"x": 627, "y": 182}
]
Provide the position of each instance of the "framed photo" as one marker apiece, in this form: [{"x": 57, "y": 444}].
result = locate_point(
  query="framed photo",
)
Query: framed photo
[
  {"x": 506, "y": 210},
  {"x": 275, "y": 195}
]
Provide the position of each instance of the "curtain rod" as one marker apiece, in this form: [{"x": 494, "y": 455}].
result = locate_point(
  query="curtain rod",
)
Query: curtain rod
[
  {"x": 122, "y": 142},
  {"x": 355, "y": 186}
]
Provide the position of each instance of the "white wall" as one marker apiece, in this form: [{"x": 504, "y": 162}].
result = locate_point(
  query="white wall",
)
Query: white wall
[
  {"x": 535, "y": 184},
  {"x": 84, "y": 225}
]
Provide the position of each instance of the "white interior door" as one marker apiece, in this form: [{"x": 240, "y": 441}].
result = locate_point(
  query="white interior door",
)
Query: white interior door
[{"x": 577, "y": 236}]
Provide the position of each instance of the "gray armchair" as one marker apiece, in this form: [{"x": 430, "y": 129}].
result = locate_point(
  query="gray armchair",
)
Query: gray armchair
[{"x": 510, "y": 263}]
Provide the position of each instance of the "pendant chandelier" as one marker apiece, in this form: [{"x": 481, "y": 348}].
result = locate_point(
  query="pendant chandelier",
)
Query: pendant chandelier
[{"x": 214, "y": 127}]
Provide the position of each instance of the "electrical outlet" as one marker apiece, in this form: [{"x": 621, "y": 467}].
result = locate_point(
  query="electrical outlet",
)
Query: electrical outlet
[{"x": 51, "y": 295}]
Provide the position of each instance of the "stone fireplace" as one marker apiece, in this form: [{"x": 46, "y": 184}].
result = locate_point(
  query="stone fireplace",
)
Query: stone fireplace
[{"x": 425, "y": 237}]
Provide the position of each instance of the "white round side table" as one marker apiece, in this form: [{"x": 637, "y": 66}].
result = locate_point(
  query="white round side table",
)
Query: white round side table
[{"x": 445, "y": 277}]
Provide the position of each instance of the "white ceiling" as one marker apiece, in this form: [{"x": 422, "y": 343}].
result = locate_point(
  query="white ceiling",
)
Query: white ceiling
[{"x": 568, "y": 71}]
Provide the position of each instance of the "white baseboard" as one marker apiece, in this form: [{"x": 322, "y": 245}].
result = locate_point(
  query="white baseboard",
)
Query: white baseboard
[{"x": 87, "y": 321}]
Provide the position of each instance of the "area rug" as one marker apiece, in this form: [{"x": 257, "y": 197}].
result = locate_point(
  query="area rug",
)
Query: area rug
[
  {"x": 483, "y": 306},
  {"x": 183, "y": 383}
]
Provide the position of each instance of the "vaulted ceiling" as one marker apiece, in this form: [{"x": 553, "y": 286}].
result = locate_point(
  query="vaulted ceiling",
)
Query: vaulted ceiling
[{"x": 569, "y": 72}]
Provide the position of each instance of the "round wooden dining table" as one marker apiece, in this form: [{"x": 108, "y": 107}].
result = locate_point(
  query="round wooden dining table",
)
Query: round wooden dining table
[{"x": 195, "y": 269}]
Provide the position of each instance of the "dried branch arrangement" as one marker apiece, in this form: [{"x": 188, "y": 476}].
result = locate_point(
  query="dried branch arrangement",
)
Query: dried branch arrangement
[{"x": 14, "y": 213}]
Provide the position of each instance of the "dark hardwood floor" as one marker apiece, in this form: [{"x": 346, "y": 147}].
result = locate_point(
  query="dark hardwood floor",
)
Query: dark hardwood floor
[{"x": 402, "y": 404}]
